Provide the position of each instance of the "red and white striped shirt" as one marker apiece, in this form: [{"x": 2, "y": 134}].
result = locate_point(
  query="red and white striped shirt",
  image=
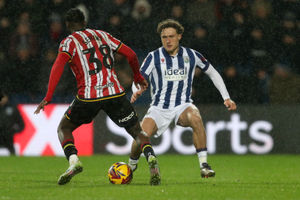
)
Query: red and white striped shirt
[{"x": 91, "y": 60}]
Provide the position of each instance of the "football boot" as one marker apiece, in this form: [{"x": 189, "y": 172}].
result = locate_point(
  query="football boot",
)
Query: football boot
[
  {"x": 206, "y": 171},
  {"x": 154, "y": 170},
  {"x": 71, "y": 171}
]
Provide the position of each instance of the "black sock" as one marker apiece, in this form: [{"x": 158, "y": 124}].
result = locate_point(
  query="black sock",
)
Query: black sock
[
  {"x": 147, "y": 150},
  {"x": 201, "y": 149},
  {"x": 69, "y": 148}
]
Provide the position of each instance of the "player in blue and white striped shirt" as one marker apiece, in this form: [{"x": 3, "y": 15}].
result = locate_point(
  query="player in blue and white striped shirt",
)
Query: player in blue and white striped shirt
[{"x": 170, "y": 70}]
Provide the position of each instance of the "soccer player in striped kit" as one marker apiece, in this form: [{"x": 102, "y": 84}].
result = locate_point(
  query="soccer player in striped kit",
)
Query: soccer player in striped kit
[
  {"x": 90, "y": 56},
  {"x": 170, "y": 70}
]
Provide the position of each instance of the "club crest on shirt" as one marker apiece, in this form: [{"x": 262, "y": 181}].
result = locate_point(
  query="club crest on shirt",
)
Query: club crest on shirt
[
  {"x": 186, "y": 59},
  {"x": 162, "y": 60}
]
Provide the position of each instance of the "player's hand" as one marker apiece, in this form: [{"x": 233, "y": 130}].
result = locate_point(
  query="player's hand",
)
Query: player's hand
[
  {"x": 41, "y": 106},
  {"x": 136, "y": 95},
  {"x": 142, "y": 85},
  {"x": 230, "y": 105},
  {"x": 140, "y": 82}
]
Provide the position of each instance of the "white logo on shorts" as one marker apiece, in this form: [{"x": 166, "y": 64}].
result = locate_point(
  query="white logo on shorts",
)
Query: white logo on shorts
[{"x": 125, "y": 119}]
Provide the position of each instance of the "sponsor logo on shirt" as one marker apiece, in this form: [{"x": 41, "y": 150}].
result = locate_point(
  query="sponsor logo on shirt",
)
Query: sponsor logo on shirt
[
  {"x": 99, "y": 87},
  {"x": 175, "y": 74}
]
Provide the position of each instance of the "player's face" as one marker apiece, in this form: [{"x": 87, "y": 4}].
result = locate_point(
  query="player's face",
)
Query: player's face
[{"x": 170, "y": 40}]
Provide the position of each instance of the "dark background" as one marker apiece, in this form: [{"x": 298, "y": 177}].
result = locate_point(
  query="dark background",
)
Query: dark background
[{"x": 252, "y": 43}]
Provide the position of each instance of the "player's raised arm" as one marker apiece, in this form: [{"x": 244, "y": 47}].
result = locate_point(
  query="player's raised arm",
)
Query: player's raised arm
[
  {"x": 56, "y": 72},
  {"x": 220, "y": 85}
]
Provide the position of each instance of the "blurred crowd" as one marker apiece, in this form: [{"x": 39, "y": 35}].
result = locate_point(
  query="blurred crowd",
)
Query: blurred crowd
[{"x": 252, "y": 43}]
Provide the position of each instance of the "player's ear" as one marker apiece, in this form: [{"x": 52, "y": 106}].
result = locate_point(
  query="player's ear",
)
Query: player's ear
[{"x": 179, "y": 36}]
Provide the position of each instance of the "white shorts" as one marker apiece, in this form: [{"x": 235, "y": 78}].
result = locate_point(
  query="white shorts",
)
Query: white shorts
[{"x": 164, "y": 117}]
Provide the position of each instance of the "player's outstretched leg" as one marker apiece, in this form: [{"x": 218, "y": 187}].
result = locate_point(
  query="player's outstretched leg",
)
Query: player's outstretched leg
[
  {"x": 143, "y": 144},
  {"x": 206, "y": 171},
  {"x": 71, "y": 171},
  {"x": 152, "y": 162},
  {"x": 65, "y": 129},
  {"x": 154, "y": 170}
]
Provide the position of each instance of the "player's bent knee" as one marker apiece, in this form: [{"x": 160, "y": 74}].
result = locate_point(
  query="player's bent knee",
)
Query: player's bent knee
[
  {"x": 66, "y": 126},
  {"x": 196, "y": 122}
]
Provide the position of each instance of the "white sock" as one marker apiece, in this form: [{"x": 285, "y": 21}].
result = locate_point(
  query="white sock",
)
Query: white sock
[
  {"x": 73, "y": 159},
  {"x": 133, "y": 162},
  {"x": 202, "y": 156}
]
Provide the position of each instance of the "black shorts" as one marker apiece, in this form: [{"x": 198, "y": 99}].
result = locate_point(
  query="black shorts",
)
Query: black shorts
[{"x": 118, "y": 108}]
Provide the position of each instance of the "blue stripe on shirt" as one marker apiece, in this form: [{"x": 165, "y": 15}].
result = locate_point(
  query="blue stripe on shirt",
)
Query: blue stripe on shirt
[
  {"x": 152, "y": 84},
  {"x": 190, "y": 78},
  {"x": 158, "y": 69},
  {"x": 180, "y": 84},
  {"x": 170, "y": 83},
  {"x": 145, "y": 66}
]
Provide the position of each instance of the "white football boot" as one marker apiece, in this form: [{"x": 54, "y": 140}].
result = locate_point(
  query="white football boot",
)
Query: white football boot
[
  {"x": 71, "y": 171},
  {"x": 206, "y": 171}
]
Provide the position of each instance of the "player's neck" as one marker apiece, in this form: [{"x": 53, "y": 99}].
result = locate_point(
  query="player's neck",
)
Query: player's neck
[
  {"x": 174, "y": 52},
  {"x": 76, "y": 27}
]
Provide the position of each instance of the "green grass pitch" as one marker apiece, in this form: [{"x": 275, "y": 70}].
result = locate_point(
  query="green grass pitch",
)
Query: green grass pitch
[{"x": 247, "y": 177}]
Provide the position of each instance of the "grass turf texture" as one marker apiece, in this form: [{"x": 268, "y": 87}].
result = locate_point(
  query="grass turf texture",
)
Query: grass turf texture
[{"x": 237, "y": 177}]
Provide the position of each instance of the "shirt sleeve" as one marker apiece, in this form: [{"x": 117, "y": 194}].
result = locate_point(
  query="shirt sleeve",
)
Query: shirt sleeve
[
  {"x": 147, "y": 66},
  {"x": 201, "y": 61},
  {"x": 56, "y": 72},
  {"x": 67, "y": 46},
  {"x": 218, "y": 81},
  {"x": 133, "y": 62}
]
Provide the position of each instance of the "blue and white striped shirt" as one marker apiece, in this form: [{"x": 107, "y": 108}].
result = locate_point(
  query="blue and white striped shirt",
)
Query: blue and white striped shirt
[{"x": 171, "y": 77}]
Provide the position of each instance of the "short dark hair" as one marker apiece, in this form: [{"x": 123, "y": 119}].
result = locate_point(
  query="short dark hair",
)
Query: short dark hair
[
  {"x": 74, "y": 15},
  {"x": 170, "y": 23}
]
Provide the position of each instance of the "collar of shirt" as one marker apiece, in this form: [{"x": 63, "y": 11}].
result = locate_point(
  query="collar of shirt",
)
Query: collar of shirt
[{"x": 166, "y": 54}]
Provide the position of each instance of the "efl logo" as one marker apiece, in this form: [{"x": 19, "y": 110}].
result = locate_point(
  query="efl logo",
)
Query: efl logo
[{"x": 39, "y": 136}]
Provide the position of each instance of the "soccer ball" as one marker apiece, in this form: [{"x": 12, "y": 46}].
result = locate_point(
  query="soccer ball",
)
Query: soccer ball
[{"x": 120, "y": 173}]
